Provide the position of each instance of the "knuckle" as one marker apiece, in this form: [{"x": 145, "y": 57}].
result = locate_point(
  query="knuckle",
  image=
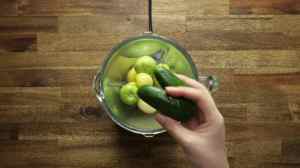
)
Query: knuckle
[
  {"x": 170, "y": 125},
  {"x": 202, "y": 86},
  {"x": 202, "y": 89},
  {"x": 220, "y": 120},
  {"x": 197, "y": 93}
]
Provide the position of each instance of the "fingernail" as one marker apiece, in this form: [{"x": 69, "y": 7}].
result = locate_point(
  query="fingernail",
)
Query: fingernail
[{"x": 169, "y": 88}]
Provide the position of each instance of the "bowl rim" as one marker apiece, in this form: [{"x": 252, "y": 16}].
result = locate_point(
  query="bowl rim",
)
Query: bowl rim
[{"x": 101, "y": 70}]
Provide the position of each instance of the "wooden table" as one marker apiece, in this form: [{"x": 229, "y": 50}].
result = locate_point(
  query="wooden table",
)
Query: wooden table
[{"x": 51, "y": 49}]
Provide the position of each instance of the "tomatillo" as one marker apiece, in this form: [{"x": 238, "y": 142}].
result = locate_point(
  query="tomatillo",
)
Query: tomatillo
[
  {"x": 145, "y": 64},
  {"x": 128, "y": 94},
  {"x": 143, "y": 79}
]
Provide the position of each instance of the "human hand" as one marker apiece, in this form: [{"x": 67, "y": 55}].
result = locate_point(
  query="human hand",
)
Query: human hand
[{"x": 203, "y": 137}]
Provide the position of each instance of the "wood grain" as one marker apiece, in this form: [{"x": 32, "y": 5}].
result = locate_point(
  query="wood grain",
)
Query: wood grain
[
  {"x": 280, "y": 165},
  {"x": 29, "y": 113},
  {"x": 9, "y": 8},
  {"x": 238, "y": 40},
  {"x": 212, "y": 7},
  {"x": 28, "y": 24},
  {"x": 40, "y": 77},
  {"x": 103, "y": 24},
  {"x": 79, "y": 7},
  {"x": 170, "y": 7},
  {"x": 291, "y": 150},
  {"x": 257, "y": 149},
  {"x": 29, "y": 153},
  {"x": 264, "y": 7},
  {"x": 51, "y": 60},
  {"x": 51, "y": 50},
  {"x": 245, "y": 23},
  {"x": 77, "y": 42},
  {"x": 18, "y": 42},
  {"x": 30, "y": 95},
  {"x": 8, "y": 132},
  {"x": 246, "y": 59},
  {"x": 237, "y": 131},
  {"x": 135, "y": 24}
]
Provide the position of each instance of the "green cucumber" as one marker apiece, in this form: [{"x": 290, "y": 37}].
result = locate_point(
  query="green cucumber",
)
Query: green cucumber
[
  {"x": 166, "y": 78},
  {"x": 177, "y": 108}
]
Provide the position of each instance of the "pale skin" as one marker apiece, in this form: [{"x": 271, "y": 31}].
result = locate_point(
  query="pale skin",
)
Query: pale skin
[{"x": 203, "y": 137}]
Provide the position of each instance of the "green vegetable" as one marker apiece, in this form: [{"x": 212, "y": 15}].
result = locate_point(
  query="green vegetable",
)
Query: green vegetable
[
  {"x": 131, "y": 75},
  {"x": 166, "y": 77},
  {"x": 146, "y": 108},
  {"x": 128, "y": 94},
  {"x": 166, "y": 66},
  {"x": 178, "y": 108},
  {"x": 142, "y": 47},
  {"x": 145, "y": 64},
  {"x": 143, "y": 79}
]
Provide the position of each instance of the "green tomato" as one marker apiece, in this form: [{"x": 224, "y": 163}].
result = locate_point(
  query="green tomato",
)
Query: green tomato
[
  {"x": 166, "y": 66},
  {"x": 128, "y": 94},
  {"x": 146, "y": 108},
  {"x": 145, "y": 64},
  {"x": 131, "y": 75},
  {"x": 143, "y": 79}
]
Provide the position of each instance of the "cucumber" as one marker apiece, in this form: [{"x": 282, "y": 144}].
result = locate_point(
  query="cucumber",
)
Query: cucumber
[
  {"x": 180, "y": 108},
  {"x": 166, "y": 78},
  {"x": 177, "y": 108}
]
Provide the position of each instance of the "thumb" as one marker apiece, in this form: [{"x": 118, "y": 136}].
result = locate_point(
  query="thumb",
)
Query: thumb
[{"x": 174, "y": 128}]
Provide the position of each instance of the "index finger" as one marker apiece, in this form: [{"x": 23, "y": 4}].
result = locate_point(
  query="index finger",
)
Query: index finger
[
  {"x": 200, "y": 96},
  {"x": 190, "y": 82}
]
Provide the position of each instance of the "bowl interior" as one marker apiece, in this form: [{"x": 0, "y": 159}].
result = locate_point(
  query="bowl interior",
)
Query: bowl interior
[{"x": 115, "y": 69}]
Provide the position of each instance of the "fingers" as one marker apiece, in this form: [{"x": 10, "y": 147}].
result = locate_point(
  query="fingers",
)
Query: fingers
[
  {"x": 190, "y": 82},
  {"x": 174, "y": 128},
  {"x": 201, "y": 96}
]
